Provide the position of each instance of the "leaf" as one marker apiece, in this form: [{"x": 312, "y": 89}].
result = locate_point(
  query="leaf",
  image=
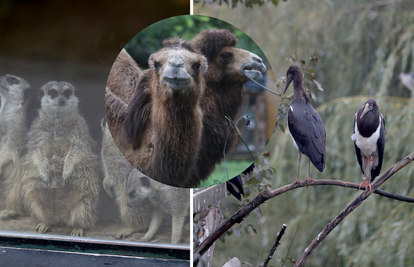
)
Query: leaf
[
  {"x": 318, "y": 85},
  {"x": 275, "y": 2}
]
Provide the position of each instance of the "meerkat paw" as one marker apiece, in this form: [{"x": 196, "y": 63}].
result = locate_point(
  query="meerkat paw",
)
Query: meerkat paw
[
  {"x": 7, "y": 214},
  {"x": 42, "y": 228},
  {"x": 124, "y": 233},
  {"x": 108, "y": 187},
  {"x": 77, "y": 232}
]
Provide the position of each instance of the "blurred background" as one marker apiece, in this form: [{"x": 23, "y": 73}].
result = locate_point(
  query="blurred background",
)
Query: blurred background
[{"x": 364, "y": 49}]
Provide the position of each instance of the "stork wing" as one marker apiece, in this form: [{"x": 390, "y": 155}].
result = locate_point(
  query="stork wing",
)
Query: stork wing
[
  {"x": 357, "y": 150},
  {"x": 306, "y": 128},
  {"x": 380, "y": 146}
]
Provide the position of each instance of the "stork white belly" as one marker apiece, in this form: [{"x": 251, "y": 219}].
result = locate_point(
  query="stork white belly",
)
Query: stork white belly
[{"x": 367, "y": 145}]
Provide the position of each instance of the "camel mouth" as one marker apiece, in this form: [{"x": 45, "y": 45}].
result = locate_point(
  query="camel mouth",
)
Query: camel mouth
[
  {"x": 253, "y": 70},
  {"x": 177, "y": 84}
]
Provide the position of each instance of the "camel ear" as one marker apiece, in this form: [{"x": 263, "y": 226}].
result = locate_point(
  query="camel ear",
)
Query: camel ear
[
  {"x": 139, "y": 111},
  {"x": 205, "y": 64}
]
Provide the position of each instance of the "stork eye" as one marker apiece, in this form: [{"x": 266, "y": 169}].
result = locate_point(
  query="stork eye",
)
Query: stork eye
[
  {"x": 196, "y": 67},
  {"x": 157, "y": 65},
  {"x": 53, "y": 93},
  {"x": 370, "y": 107}
]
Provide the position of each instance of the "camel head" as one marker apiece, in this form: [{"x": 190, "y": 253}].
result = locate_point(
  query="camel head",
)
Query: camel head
[
  {"x": 226, "y": 62},
  {"x": 178, "y": 66}
]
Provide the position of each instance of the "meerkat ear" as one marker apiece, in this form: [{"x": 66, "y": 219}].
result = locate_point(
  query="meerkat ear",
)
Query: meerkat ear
[
  {"x": 27, "y": 94},
  {"x": 40, "y": 94}
]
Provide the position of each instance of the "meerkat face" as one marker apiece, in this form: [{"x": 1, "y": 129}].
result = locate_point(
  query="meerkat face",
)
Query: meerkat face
[
  {"x": 138, "y": 188},
  {"x": 14, "y": 91},
  {"x": 58, "y": 97}
]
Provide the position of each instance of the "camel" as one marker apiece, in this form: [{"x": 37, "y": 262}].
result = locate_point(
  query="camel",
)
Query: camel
[
  {"x": 159, "y": 129},
  {"x": 228, "y": 69}
]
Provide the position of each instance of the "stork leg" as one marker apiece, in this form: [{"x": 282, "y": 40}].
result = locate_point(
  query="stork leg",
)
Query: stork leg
[
  {"x": 297, "y": 181},
  {"x": 309, "y": 177},
  {"x": 367, "y": 175}
]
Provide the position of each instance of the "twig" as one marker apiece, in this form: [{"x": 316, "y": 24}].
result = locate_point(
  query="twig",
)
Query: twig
[
  {"x": 266, "y": 195},
  {"x": 290, "y": 246},
  {"x": 267, "y": 89},
  {"x": 342, "y": 215},
  {"x": 234, "y": 126},
  {"x": 274, "y": 247}
]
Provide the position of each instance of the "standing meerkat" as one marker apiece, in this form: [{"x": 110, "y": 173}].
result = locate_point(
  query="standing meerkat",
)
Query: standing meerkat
[
  {"x": 15, "y": 95},
  {"x": 61, "y": 182},
  {"x": 164, "y": 198},
  {"x": 116, "y": 169}
]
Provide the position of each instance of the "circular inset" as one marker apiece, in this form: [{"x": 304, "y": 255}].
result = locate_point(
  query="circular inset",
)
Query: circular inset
[{"x": 177, "y": 104}]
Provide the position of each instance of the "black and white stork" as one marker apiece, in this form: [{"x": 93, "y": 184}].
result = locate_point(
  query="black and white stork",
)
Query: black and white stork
[
  {"x": 369, "y": 140},
  {"x": 304, "y": 124}
]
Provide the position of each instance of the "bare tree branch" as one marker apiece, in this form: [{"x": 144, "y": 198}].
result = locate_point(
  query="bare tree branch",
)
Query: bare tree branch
[
  {"x": 274, "y": 247},
  {"x": 266, "y": 195},
  {"x": 342, "y": 215}
]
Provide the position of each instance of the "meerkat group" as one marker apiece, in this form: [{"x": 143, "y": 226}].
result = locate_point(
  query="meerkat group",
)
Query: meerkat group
[{"x": 49, "y": 170}]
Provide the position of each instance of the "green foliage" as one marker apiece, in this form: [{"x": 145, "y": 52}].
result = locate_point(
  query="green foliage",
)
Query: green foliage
[
  {"x": 149, "y": 40},
  {"x": 246, "y": 3}
]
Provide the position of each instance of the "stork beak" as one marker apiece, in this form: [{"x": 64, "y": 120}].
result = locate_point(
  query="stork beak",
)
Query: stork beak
[
  {"x": 366, "y": 109},
  {"x": 288, "y": 81}
]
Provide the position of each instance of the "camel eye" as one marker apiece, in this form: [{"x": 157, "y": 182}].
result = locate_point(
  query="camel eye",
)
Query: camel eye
[
  {"x": 196, "y": 67},
  {"x": 227, "y": 56},
  {"x": 157, "y": 65}
]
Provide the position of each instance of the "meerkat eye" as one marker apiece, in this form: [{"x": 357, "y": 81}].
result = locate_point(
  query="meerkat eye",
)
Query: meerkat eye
[
  {"x": 67, "y": 93},
  {"x": 157, "y": 65},
  {"x": 131, "y": 194},
  {"x": 13, "y": 80},
  {"x": 53, "y": 93},
  {"x": 196, "y": 67}
]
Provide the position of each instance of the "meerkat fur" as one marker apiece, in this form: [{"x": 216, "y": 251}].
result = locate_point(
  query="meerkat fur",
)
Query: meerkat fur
[
  {"x": 61, "y": 181},
  {"x": 15, "y": 94},
  {"x": 165, "y": 199},
  {"x": 116, "y": 169}
]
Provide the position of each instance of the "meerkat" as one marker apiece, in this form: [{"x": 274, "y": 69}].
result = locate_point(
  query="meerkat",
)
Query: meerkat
[
  {"x": 61, "y": 182},
  {"x": 15, "y": 94},
  {"x": 116, "y": 169},
  {"x": 164, "y": 198}
]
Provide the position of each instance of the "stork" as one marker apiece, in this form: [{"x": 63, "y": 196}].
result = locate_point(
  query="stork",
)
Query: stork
[
  {"x": 304, "y": 124},
  {"x": 369, "y": 140}
]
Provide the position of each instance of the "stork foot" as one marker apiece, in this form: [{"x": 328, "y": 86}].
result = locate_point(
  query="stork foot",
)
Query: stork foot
[
  {"x": 309, "y": 181},
  {"x": 366, "y": 184},
  {"x": 297, "y": 181}
]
